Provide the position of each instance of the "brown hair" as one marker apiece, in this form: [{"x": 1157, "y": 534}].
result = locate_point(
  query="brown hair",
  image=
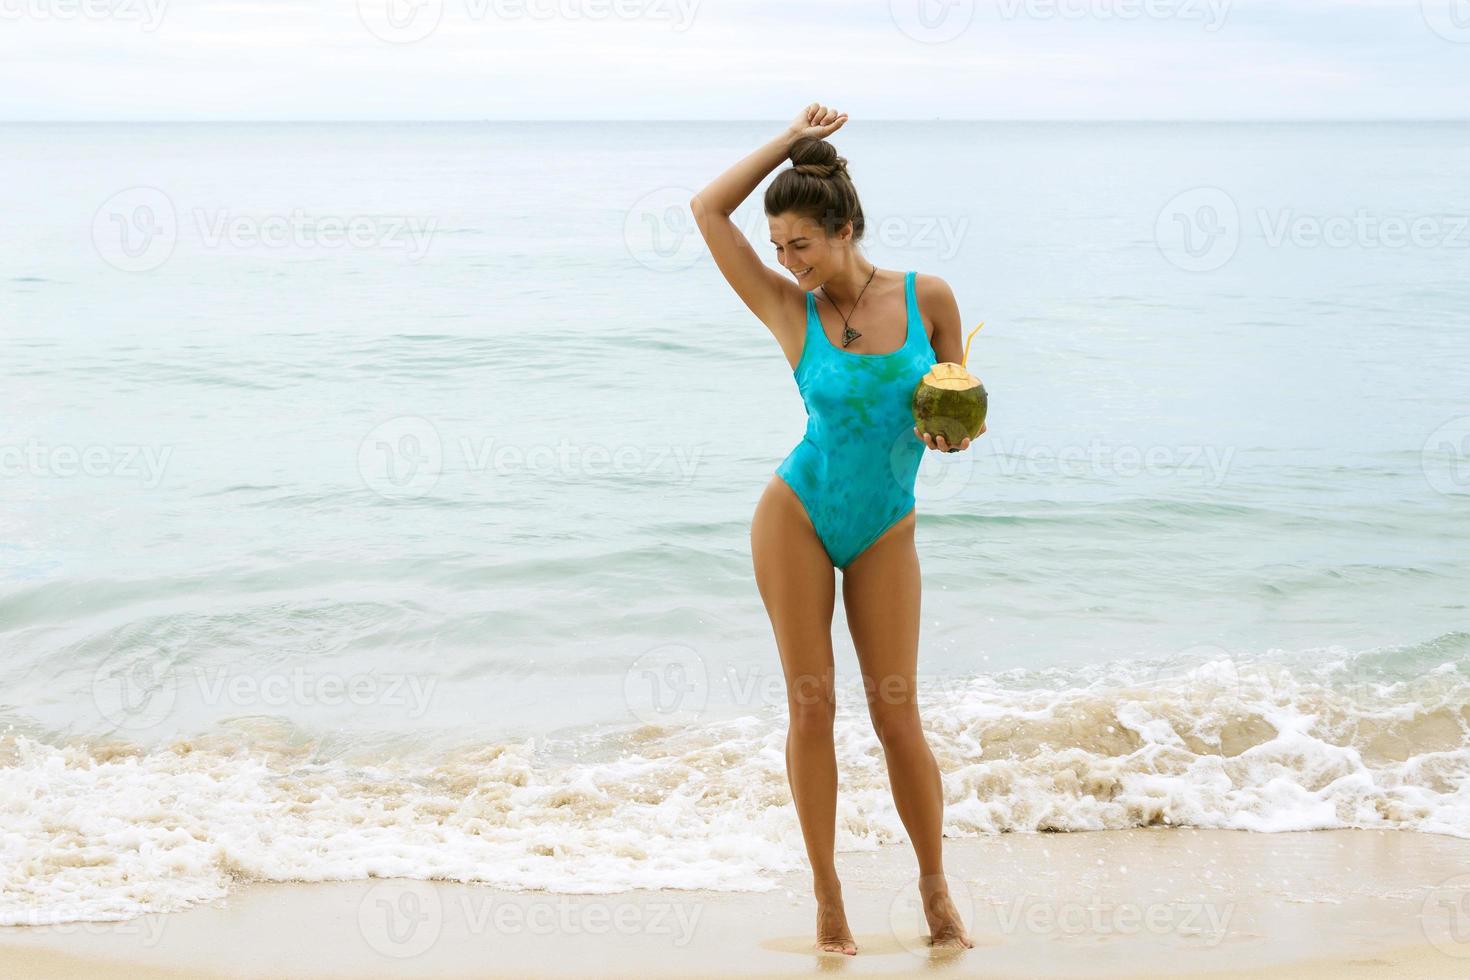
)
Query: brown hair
[{"x": 817, "y": 186}]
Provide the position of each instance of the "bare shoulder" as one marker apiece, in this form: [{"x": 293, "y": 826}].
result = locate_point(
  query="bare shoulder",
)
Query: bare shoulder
[
  {"x": 933, "y": 289},
  {"x": 941, "y": 312},
  {"x": 936, "y": 300}
]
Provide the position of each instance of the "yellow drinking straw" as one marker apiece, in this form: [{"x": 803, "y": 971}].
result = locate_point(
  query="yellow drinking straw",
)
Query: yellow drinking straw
[{"x": 965, "y": 357}]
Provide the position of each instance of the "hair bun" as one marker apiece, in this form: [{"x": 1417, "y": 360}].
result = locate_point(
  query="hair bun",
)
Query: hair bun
[
  {"x": 822, "y": 170},
  {"x": 817, "y": 158}
]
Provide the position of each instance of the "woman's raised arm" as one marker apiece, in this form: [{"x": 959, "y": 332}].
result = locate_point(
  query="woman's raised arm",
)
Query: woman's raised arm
[{"x": 777, "y": 301}]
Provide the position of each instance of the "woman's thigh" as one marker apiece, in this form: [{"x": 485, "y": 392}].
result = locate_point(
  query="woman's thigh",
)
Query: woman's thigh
[
  {"x": 797, "y": 583},
  {"x": 881, "y": 595}
]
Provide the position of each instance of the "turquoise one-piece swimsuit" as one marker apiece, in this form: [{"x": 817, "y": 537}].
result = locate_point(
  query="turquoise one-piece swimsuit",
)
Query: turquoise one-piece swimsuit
[{"x": 854, "y": 470}]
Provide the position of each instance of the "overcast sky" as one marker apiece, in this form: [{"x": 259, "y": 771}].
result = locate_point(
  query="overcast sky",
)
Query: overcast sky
[{"x": 726, "y": 59}]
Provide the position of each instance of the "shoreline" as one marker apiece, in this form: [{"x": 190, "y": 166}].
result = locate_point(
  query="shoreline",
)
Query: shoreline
[{"x": 1129, "y": 903}]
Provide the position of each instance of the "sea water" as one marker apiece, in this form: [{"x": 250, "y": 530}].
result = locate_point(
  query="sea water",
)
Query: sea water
[{"x": 376, "y": 498}]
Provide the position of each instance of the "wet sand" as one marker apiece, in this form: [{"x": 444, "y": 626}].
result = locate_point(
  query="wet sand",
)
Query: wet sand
[{"x": 1165, "y": 902}]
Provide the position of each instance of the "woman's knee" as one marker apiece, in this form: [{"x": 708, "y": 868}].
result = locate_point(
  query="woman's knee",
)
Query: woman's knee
[
  {"x": 896, "y": 725},
  {"x": 812, "y": 707}
]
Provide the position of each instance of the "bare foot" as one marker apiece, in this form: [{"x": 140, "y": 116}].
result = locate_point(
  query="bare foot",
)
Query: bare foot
[
  {"x": 833, "y": 936},
  {"x": 946, "y": 929}
]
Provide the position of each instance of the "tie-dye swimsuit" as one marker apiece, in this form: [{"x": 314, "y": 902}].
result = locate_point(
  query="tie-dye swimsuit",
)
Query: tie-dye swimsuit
[{"x": 854, "y": 470}]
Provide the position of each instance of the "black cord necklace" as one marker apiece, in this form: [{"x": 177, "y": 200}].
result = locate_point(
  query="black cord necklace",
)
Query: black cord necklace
[{"x": 849, "y": 334}]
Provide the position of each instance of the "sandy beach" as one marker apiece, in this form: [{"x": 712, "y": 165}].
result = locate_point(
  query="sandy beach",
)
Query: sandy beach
[{"x": 1166, "y": 902}]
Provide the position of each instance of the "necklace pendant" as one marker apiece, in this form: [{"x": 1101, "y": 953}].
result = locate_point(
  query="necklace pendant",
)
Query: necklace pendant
[{"x": 849, "y": 335}]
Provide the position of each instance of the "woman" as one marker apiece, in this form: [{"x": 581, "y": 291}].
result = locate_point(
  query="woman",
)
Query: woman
[{"x": 857, "y": 344}]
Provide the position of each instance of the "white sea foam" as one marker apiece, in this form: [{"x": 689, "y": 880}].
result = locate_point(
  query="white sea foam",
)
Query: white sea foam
[{"x": 110, "y": 831}]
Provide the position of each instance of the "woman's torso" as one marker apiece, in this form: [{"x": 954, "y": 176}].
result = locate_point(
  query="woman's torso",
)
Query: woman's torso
[{"x": 859, "y": 404}]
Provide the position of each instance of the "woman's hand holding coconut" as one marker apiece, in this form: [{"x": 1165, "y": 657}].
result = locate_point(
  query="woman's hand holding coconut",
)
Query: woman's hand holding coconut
[
  {"x": 950, "y": 404},
  {"x": 937, "y": 442}
]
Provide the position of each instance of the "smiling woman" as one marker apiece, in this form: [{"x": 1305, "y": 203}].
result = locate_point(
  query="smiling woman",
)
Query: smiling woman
[
  {"x": 817, "y": 183},
  {"x": 844, "y": 497}
]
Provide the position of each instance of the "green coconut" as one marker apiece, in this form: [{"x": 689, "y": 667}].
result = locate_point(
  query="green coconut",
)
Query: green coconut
[{"x": 950, "y": 402}]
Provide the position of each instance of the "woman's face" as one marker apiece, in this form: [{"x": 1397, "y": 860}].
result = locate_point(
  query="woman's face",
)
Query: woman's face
[{"x": 805, "y": 250}]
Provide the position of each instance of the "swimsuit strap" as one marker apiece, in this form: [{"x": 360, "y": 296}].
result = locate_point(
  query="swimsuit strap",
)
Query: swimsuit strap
[
  {"x": 915, "y": 324},
  {"x": 814, "y": 341}
]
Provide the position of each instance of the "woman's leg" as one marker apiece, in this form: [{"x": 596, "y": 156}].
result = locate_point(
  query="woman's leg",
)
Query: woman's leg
[
  {"x": 880, "y": 591},
  {"x": 797, "y": 585}
]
